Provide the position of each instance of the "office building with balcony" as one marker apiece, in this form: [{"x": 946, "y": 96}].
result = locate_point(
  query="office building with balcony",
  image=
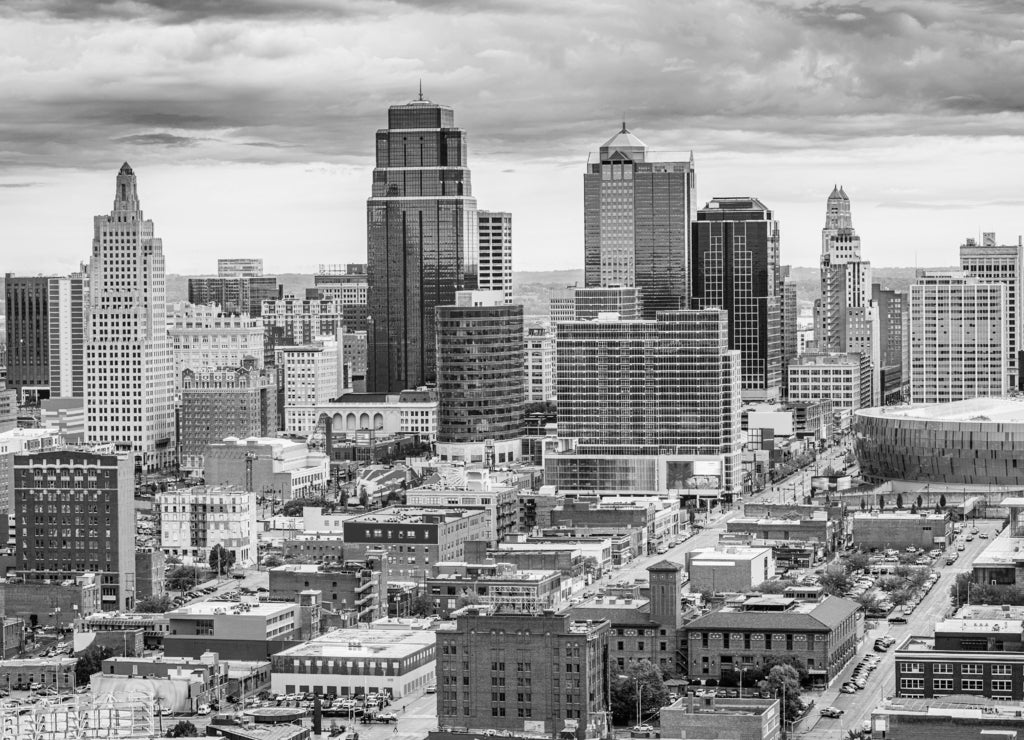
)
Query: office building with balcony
[
  {"x": 500, "y": 503},
  {"x": 502, "y": 585}
]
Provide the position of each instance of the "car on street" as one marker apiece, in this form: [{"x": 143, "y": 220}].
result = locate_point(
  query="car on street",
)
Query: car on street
[
  {"x": 848, "y": 688},
  {"x": 833, "y": 712},
  {"x": 983, "y": 535},
  {"x": 432, "y": 688},
  {"x": 897, "y": 619},
  {"x": 961, "y": 547},
  {"x": 203, "y": 710}
]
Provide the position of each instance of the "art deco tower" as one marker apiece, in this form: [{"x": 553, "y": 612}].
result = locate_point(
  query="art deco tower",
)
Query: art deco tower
[
  {"x": 129, "y": 382},
  {"x": 422, "y": 233}
]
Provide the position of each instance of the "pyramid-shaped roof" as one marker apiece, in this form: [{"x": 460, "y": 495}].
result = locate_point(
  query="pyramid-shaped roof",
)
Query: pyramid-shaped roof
[{"x": 623, "y": 140}]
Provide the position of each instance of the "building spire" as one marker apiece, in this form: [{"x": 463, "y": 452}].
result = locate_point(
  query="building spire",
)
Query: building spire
[
  {"x": 624, "y": 129},
  {"x": 421, "y": 88}
]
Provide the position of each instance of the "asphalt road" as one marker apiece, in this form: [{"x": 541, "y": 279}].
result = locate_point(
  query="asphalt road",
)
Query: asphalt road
[{"x": 881, "y": 684}]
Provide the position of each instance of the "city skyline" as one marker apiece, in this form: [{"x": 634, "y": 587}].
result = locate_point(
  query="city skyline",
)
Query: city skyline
[{"x": 263, "y": 113}]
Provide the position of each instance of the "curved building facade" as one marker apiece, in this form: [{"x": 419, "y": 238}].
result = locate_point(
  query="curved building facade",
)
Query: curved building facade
[{"x": 972, "y": 442}]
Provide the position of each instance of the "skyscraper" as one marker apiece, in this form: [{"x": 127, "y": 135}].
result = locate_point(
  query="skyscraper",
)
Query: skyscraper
[
  {"x": 68, "y": 298},
  {"x": 422, "y": 233},
  {"x": 636, "y": 221},
  {"x": 129, "y": 380},
  {"x": 28, "y": 328},
  {"x": 846, "y": 317},
  {"x": 1000, "y": 263},
  {"x": 736, "y": 267},
  {"x": 788, "y": 327},
  {"x": 495, "y": 267},
  {"x": 958, "y": 338},
  {"x": 892, "y": 322}
]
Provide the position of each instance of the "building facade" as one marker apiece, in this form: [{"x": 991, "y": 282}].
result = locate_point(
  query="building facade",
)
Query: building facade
[
  {"x": 408, "y": 412},
  {"x": 129, "y": 370},
  {"x": 495, "y": 239},
  {"x": 422, "y": 232},
  {"x": 994, "y": 263},
  {"x": 28, "y": 330},
  {"x": 959, "y": 342},
  {"x": 312, "y": 376},
  {"x": 480, "y": 379},
  {"x": 240, "y": 295},
  {"x": 736, "y": 267},
  {"x": 269, "y": 466},
  {"x": 239, "y": 267},
  {"x": 203, "y": 337},
  {"x": 788, "y": 324},
  {"x": 240, "y": 631},
  {"x": 540, "y": 364},
  {"x": 19, "y": 442},
  {"x": 893, "y": 320},
  {"x": 898, "y": 529},
  {"x": 845, "y": 378},
  {"x": 195, "y": 520},
  {"x": 501, "y": 505},
  {"x": 636, "y": 221},
  {"x": 360, "y": 588},
  {"x": 292, "y": 321}
]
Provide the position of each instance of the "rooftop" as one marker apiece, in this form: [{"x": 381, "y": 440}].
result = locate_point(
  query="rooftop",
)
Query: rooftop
[
  {"x": 210, "y": 608},
  {"x": 981, "y": 410},
  {"x": 1002, "y": 551},
  {"x": 412, "y": 514},
  {"x": 897, "y": 514},
  {"x": 367, "y": 643},
  {"x": 727, "y": 555},
  {"x": 971, "y": 626},
  {"x": 778, "y": 612},
  {"x": 954, "y": 705}
]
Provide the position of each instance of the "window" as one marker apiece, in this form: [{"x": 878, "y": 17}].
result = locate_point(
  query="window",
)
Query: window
[
  {"x": 971, "y": 669},
  {"x": 910, "y": 668},
  {"x": 1002, "y": 685},
  {"x": 942, "y": 684},
  {"x": 1001, "y": 669},
  {"x": 971, "y": 684},
  {"x": 911, "y": 683},
  {"x": 942, "y": 668}
]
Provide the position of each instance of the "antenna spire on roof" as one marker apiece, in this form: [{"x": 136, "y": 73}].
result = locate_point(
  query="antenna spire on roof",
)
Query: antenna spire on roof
[
  {"x": 421, "y": 88},
  {"x": 624, "y": 129}
]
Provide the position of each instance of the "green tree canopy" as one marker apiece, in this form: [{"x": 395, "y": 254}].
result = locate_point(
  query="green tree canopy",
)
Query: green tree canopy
[
  {"x": 182, "y": 578},
  {"x": 421, "y": 606},
  {"x": 272, "y": 561}
]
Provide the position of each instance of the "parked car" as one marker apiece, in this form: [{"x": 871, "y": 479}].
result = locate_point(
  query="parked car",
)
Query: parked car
[
  {"x": 848, "y": 688},
  {"x": 832, "y": 712},
  {"x": 203, "y": 710},
  {"x": 897, "y": 619}
]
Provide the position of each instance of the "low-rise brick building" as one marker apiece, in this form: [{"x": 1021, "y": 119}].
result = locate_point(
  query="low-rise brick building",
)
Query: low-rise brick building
[
  {"x": 898, "y": 529},
  {"x": 359, "y": 587}
]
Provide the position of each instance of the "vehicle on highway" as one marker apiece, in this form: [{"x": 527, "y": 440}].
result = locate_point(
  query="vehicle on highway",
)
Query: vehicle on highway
[{"x": 833, "y": 712}]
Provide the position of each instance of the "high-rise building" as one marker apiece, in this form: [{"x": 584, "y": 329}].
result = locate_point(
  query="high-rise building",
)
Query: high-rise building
[
  {"x": 843, "y": 377},
  {"x": 542, "y": 674},
  {"x": 235, "y": 295},
  {"x": 293, "y": 321},
  {"x": 1000, "y": 263},
  {"x": 789, "y": 328},
  {"x": 28, "y": 331},
  {"x": 68, "y": 298},
  {"x": 636, "y": 221},
  {"x": 240, "y": 267},
  {"x": 958, "y": 338},
  {"x": 892, "y": 322},
  {"x": 422, "y": 233},
  {"x": 202, "y": 337},
  {"x": 217, "y": 403},
  {"x": 346, "y": 286},
  {"x": 74, "y": 514},
  {"x": 648, "y": 405},
  {"x": 540, "y": 364},
  {"x": 624, "y": 301},
  {"x": 480, "y": 379},
  {"x": 846, "y": 317},
  {"x": 494, "y": 271},
  {"x": 735, "y": 250},
  {"x": 312, "y": 376},
  {"x": 129, "y": 378}
]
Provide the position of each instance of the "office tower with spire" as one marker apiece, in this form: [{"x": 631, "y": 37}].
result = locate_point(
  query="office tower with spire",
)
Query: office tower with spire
[
  {"x": 129, "y": 370},
  {"x": 422, "y": 233},
  {"x": 845, "y": 316},
  {"x": 1000, "y": 263},
  {"x": 636, "y": 217},
  {"x": 736, "y": 267}
]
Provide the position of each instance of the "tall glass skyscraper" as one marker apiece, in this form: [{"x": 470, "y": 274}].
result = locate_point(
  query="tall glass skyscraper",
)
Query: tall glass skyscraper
[
  {"x": 636, "y": 220},
  {"x": 422, "y": 236}
]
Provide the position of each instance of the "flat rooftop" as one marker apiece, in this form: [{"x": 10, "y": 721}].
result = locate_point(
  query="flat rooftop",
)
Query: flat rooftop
[
  {"x": 520, "y": 576},
  {"x": 373, "y": 643},
  {"x": 971, "y": 626},
  {"x": 413, "y": 514},
  {"x": 978, "y": 410},
  {"x": 209, "y": 608},
  {"x": 727, "y": 555},
  {"x": 954, "y": 705},
  {"x": 1002, "y": 551}
]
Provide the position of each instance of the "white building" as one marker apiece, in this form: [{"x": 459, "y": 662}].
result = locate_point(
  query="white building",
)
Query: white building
[
  {"x": 729, "y": 569},
  {"x": 312, "y": 376},
  {"x": 540, "y": 364},
  {"x": 845, "y": 378},
  {"x": 67, "y": 298},
  {"x": 494, "y": 268},
  {"x": 992, "y": 263},
  {"x": 280, "y": 468},
  {"x": 195, "y": 520},
  {"x": 20, "y": 442},
  {"x": 129, "y": 378},
  {"x": 959, "y": 343},
  {"x": 240, "y": 267},
  {"x": 202, "y": 337},
  {"x": 408, "y": 412},
  {"x": 399, "y": 662},
  {"x": 67, "y": 415}
]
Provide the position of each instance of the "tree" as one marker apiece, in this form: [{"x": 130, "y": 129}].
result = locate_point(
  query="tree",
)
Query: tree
[
  {"x": 784, "y": 681},
  {"x": 90, "y": 661},
  {"x": 466, "y": 598},
  {"x": 920, "y": 501},
  {"x": 295, "y": 506},
  {"x": 272, "y": 561},
  {"x": 773, "y": 587},
  {"x": 172, "y": 560},
  {"x": 653, "y": 694},
  {"x": 899, "y": 500},
  {"x": 881, "y": 503},
  {"x": 942, "y": 501},
  {"x": 835, "y": 581},
  {"x": 183, "y": 729},
  {"x": 421, "y": 606},
  {"x": 868, "y": 600},
  {"x": 153, "y": 604},
  {"x": 863, "y": 504},
  {"x": 983, "y": 593},
  {"x": 857, "y": 561},
  {"x": 182, "y": 578},
  {"x": 221, "y": 559}
]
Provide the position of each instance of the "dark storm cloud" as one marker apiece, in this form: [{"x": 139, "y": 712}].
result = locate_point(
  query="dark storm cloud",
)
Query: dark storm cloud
[{"x": 156, "y": 139}]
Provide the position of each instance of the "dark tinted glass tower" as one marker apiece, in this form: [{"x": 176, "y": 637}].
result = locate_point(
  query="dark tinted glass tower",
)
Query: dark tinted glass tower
[
  {"x": 421, "y": 241},
  {"x": 636, "y": 219},
  {"x": 28, "y": 320},
  {"x": 736, "y": 267}
]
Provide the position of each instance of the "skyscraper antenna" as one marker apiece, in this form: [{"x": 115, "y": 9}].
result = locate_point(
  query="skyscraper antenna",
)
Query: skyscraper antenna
[
  {"x": 421, "y": 88},
  {"x": 624, "y": 129}
]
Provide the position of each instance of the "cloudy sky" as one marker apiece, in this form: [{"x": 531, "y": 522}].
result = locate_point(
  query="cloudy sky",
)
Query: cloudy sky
[{"x": 250, "y": 123}]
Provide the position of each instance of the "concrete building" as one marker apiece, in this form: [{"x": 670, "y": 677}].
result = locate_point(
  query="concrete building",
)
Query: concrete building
[
  {"x": 154, "y": 626},
  {"x": 8, "y": 408},
  {"x": 1002, "y": 561},
  {"x": 494, "y": 266},
  {"x": 20, "y": 442},
  {"x": 351, "y": 586},
  {"x": 972, "y": 443},
  {"x": 542, "y": 674},
  {"x": 752, "y": 629},
  {"x": 501, "y": 505},
  {"x": 12, "y": 637},
  {"x": 591, "y": 301},
  {"x": 399, "y": 662},
  {"x": 239, "y": 267},
  {"x": 53, "y": 602},
  {"x": 658, "y": 517},
  {"x": 718, "y": 718},
  {"x": 899, "y": 529},
  {"x": 292, "y": 321},
  {"x": 57, "y": 672},
  {"x": 789, "y": 328},
  {"x": 844, "y": 378},
  {"x": 817, "y": 529},
  {"x": 951, "y": 717},
  {"x": 993, "y": 263},
  {"x": 195, "y": 520},
  {"x": 407, "y": 412},
  {"x": 636, "y": 221},
  {"x": 150, "y": 569},
  {"x": 312, "y": 376},
  {"x": 74, "y": 514},
  {"x": 240, "y": 631},
  {"x": 129, "y": 402},
  {"x": 280, "y": 468},
  {"x": 66, "y": 415},
  {"x": 241, "y": 295},
  {"x": 893, "y": 325},
  {"x": 643, "y": 628},
  {"x": 729, "y": 569},
  {"x": 415, "y": 538},
  {"x": 619, "y": 425},
  {"x": 735, "y": 252},
  {"x": 202, "y": 338},
  {"x": 959, "y": 340},
  {"x": 501, "y": 585},
  {"x": 221, "y": 402},
  {"x": 540, "y": 364},
  {"x": 480, "y": 381}
]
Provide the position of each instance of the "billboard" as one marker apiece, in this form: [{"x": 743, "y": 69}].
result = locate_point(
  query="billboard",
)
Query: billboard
[{"x": 694, "y": 474}]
